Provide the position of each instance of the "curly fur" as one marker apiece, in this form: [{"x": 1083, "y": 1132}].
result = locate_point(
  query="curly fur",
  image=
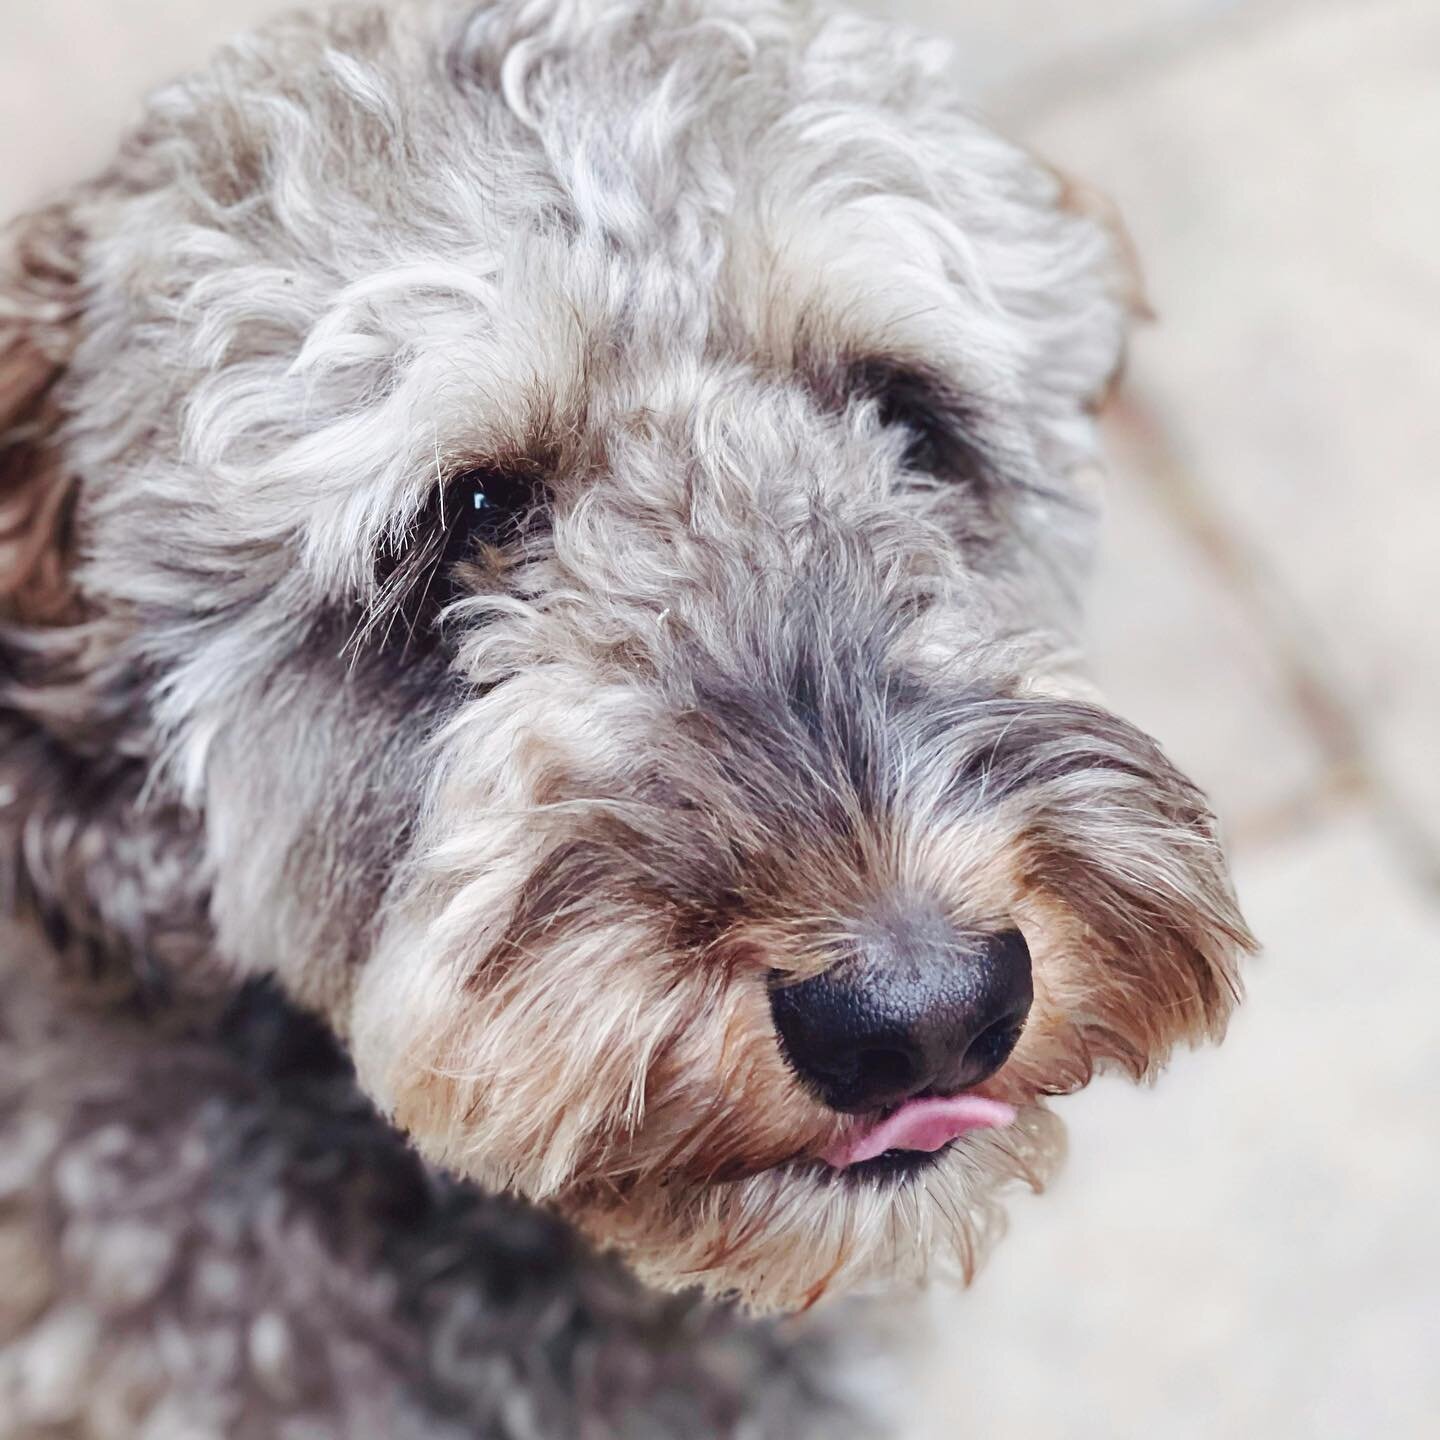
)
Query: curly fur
[
  {"x": 206, "y": 1231},
  {"x": 784, "y": 367}
]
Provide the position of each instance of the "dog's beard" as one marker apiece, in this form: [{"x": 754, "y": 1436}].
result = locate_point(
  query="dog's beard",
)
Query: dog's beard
[{"x": 782, "y": 1239}]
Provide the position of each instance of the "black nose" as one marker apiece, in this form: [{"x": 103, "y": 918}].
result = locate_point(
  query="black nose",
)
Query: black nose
[{"x": 918, "y": 1009}]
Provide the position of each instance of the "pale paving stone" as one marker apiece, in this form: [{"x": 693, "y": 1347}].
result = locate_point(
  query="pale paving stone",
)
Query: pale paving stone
[
  {"x": 1253, "y": 1248},
  {"x": 1000, "y": 43},
  {"x": 1280, "y": 187}
]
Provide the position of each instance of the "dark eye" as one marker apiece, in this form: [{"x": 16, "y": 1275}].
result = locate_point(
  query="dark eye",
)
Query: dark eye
[
  {"x": 465, "y": 537},
  {"x": 939, "y": 424},
  {"x": 481, "y": 514},
  {"x": 494, "y": 507},
  {"x": 928, "y": 446}
]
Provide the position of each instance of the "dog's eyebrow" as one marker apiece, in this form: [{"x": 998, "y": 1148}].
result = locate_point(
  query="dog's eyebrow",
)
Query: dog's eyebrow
[{"x": 943, "y": 423}]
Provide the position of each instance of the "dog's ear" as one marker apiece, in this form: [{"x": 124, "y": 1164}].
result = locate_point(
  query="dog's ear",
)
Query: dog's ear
[
  {"x": 1127, "y": 275},
  {"x": 73, "y": 854},
  {"x": 1077, "y": 198},
  {"x": 40, "y": 300}
]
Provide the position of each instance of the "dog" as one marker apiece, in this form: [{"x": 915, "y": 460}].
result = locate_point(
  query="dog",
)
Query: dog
[{"x": 539, "y": 555}]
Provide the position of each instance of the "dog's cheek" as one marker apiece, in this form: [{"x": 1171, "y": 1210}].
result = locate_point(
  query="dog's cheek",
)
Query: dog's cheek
[
  {"x": 1054, "y": 1055},
  {"x": 524, "y": 1073},
  {"x": 721, "y": 1103},
  {"x": 591, "y": 1056},
  {"x": 111, "y": 880}
]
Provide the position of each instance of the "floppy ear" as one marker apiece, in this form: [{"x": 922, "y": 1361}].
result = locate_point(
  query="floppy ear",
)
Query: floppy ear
[
  {"x": 1077, "y": 198},
  {"x": 1126, "y": 274},
  {"x": 40, "y": 303},
  {"x": 76, "y": 852}
]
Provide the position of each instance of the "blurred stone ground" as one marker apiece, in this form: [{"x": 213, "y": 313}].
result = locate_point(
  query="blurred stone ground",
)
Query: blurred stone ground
[{"x": 1253, "y": 1249}]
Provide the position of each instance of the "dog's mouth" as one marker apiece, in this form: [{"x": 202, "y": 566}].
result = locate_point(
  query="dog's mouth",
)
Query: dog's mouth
[{"x": 914, "y": 1135}]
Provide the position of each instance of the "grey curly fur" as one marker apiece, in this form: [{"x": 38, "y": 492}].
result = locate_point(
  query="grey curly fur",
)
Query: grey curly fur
[{"x": 523, "y": 527}]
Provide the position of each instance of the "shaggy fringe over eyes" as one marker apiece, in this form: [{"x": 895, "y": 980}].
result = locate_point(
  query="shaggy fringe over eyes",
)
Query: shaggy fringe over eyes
[{"x": 941, "y": 425}]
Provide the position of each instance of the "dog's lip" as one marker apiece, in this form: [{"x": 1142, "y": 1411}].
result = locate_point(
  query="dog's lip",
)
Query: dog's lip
[{"x": 926, "y": 1125}]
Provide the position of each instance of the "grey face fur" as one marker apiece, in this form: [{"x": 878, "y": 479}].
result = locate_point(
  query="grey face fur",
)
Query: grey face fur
[{"x": 524, "y": 522}]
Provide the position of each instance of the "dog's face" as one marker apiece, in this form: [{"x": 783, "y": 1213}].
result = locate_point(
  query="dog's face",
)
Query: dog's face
[{"x": 552, "y": 534}]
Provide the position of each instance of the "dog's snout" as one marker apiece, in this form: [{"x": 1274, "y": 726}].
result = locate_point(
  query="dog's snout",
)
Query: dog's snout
[{"x": 921, "y": 1010}]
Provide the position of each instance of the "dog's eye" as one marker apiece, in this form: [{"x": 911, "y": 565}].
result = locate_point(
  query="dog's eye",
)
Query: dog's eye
[
  {"x": 493, "y": 506},
  {"x": 925, "y": 445},
  {"x": 940, "y": 427},
  {"x": 482, "y": 514},
  {"x": 460, "y": 543}
]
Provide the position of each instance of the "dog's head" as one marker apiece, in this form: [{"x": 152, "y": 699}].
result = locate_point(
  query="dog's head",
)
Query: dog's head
[{"x": 551, "y": 529}]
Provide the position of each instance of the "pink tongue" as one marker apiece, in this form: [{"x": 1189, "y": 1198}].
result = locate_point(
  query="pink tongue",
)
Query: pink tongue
[{"x": 921, "y": 1125}]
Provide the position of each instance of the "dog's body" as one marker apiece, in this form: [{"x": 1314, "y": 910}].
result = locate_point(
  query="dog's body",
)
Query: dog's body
[
  {"x": 207, "y": 1233},
  {"x": 550, "y": 530}
]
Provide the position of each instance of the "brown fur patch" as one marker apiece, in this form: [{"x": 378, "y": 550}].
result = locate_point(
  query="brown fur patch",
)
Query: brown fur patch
[{"x": 38, "y": 308}]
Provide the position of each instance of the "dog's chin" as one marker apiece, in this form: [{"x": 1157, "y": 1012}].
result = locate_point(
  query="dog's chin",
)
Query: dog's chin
[{"x": 792, "y": 1234}]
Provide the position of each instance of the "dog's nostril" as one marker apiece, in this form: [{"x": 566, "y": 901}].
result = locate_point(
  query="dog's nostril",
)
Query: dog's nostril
[
  {"x": 917, "y": 1009},
  {"x": 991, "y": 1048}
]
